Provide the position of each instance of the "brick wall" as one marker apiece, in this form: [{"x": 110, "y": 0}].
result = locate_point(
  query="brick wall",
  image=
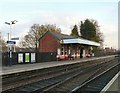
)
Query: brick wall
[{"x": 48, "y": 44}]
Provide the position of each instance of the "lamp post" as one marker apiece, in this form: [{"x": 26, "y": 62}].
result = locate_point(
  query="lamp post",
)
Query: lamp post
[
  {"x": 10, "y": 46},
  {"x": 11, "y": 23}
]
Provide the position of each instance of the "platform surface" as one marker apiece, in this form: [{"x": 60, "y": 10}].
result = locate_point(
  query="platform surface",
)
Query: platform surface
[
  {"x": 115, "y": 84},
  {"x": 27, "y": 67}
]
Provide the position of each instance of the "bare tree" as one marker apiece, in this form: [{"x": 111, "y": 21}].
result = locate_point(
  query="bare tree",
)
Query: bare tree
[{"x": 36, "y": 31}]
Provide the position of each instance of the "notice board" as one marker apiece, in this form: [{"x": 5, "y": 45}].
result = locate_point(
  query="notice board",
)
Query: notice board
[
  {"x": 27, "y": 57},
  {"x": 20, "y": 58},
  {"x": 32, "y": 57}
]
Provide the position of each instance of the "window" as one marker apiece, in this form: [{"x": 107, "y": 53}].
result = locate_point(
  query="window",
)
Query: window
[
  {"x": 62, "y": 51},
  {"x": 65, "y": 52}
]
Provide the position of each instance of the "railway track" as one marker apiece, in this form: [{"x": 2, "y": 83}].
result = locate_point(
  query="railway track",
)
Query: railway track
[
  {"x": 19, "y": 79},
  {"x": 75, "y": 81},
  {"x": 51, "y": 83},
  {"x": 97, "y": 83}
]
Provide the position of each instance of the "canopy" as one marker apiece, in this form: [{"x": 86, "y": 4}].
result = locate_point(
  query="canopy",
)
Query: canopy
[{"x": 79, "y": 41}]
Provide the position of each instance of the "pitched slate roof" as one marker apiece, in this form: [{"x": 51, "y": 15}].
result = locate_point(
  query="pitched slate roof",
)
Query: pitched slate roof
[{"x": 61, "y": 36}]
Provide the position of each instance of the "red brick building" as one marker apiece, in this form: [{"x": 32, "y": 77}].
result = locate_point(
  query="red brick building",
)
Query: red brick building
[{"x": 65, "y": 45}]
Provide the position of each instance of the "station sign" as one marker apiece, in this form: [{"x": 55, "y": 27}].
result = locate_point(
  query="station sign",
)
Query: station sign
[
  {"x": 11, "y": 42},
  {"x": 17, "y": 38},
  {"x": 61, "y": 41}
]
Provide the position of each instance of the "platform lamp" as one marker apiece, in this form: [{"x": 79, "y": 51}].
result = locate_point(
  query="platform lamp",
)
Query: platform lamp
[
  {"x": 11, "y": 23},
  {"x": 10, "y": 50}
]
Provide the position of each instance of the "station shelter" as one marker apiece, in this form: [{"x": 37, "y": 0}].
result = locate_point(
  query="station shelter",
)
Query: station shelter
[{"x": 66, "y": 46}]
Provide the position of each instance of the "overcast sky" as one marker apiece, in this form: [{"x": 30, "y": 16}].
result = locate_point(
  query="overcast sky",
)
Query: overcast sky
[{"x": 62, "y": 13}]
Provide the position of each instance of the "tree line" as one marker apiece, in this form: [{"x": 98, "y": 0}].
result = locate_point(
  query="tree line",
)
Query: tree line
[{"x": 87, "y": 29}]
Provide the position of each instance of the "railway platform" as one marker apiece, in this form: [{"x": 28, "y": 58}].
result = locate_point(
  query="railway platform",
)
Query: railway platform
[{"x": 35, "y": 66}]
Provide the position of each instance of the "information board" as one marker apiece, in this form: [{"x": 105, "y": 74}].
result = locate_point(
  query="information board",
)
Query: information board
[
  {"x": 20, "y": 58},
  {"x": 32, "y": 57},
  {"x": 27, "y": 57}
]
